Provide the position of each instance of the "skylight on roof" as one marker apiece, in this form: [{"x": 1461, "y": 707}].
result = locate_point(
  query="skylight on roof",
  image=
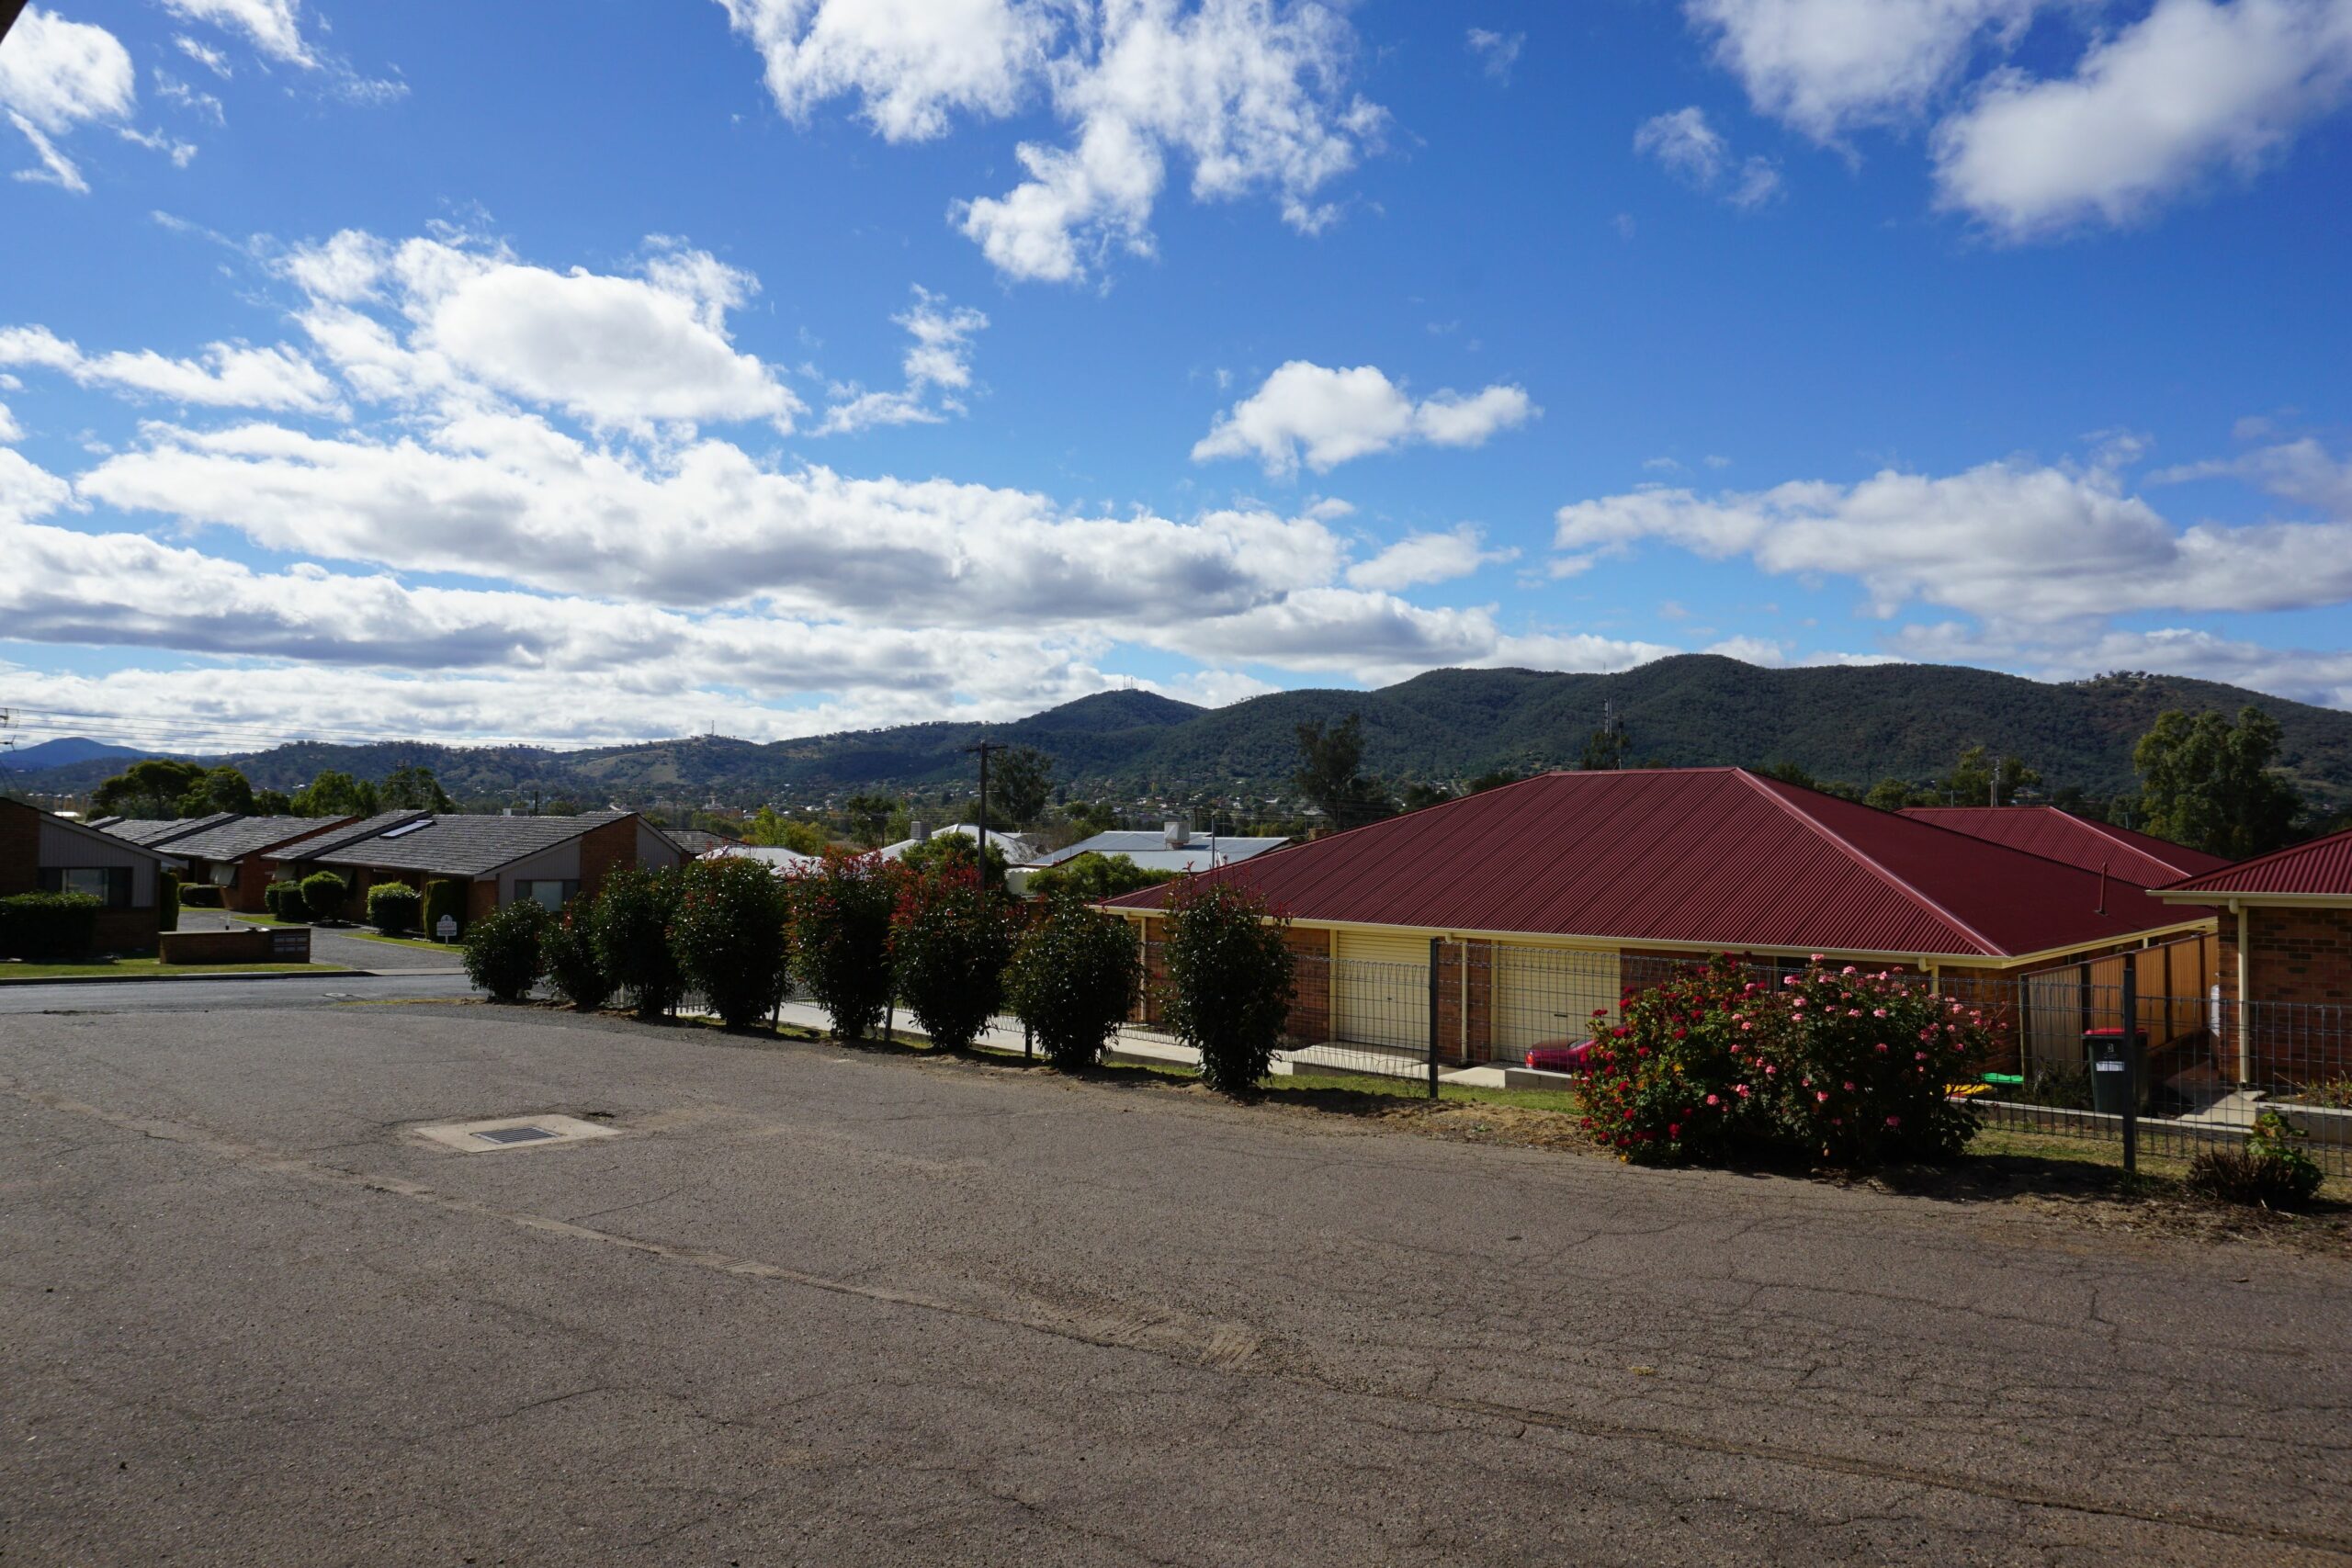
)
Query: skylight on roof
[{"x": 407, "y": 828}]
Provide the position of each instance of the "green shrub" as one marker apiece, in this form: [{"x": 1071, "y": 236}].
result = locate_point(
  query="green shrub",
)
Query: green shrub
[
  {"x": 443, "y": 896},
  {"x": 1831, "y": 1066},
  {"x": 2268, "y": 1170},
  {"x": 841, "y": 937},
  {"x": 167, "y": 901},
  {"x": 393, "y": 908},
  {"x": 730, "y": 936},
  {"x": 284, "y": 899},
  {"x": 49, "y": 928},
  {"x": 323, "y": 894},
  {"x": 1094, "y": 876},
  {"x": 568, "y": 954},
  {"x": 1228, "y": 980},
  {"x": 1073, "y": 980},
  {"x": 634, "y": 914},
  {"x": 201, "y": 895},
  {"x": 502, "y": 949},
  {"x": 950, "y": 939}
]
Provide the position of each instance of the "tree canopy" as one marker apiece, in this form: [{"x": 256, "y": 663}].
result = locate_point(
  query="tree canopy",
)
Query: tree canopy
[
  {"x": 2206, "y": 783},
  {"x": 1021, "y": 781},
  {"x": 1331, "y": 774}
]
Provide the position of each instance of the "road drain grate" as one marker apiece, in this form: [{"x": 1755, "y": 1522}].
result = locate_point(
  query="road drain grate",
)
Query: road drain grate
[{"x": 515, "y": 1134}]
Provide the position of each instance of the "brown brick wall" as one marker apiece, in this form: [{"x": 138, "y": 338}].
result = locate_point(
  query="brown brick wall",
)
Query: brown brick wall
[
  {"x": 19, "y": 848},
  {"x": 250, "y": 944},
  {"x": 481, "y": 897},
  {"x": 125, "y": 930},
  {"x": 2295, "y": 955},
  {"x": 604, "y": 850},
  {"x": 1309, "y": 1020}
]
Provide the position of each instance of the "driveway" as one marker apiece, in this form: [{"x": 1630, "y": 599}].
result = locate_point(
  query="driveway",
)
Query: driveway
[
  {"x": 823, "y": 1306},
  {"x": 331, "y": 946}
]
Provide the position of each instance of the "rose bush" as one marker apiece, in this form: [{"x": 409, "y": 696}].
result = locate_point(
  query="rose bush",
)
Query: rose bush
[{"x": 1718, "y": 1064}]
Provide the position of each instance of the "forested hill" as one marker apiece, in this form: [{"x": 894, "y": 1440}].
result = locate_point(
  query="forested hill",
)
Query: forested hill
[{"x": 1851, "y": 725}]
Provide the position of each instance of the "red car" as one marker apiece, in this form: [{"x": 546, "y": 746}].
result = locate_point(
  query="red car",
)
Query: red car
[{"x": 1559, "y": 1056}]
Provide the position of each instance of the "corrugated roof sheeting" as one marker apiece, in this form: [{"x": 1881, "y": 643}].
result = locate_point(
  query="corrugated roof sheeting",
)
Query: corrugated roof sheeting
[
  {"x": 2321, "y": 868},
  {"x": 1700, "y": 855},
  {"x": 2056, "y": 834}
]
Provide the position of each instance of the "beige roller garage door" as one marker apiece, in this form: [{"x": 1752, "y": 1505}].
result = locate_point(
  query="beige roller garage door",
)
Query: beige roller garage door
[
  {"x": 1380, "y": 991},
  {"x": 1549, "y": 994}
]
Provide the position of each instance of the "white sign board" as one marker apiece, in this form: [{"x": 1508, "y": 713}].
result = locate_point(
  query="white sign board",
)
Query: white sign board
[{"x": 446, "y": 928}]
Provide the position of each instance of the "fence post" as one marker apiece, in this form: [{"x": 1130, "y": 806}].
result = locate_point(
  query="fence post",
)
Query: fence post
[
  {"x": 1437, "y": 957},
  {"x": 2131, "y": 1066}
]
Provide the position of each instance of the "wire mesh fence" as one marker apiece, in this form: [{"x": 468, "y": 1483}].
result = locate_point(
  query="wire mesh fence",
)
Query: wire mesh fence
[{"x": 2194, "y": 1068}]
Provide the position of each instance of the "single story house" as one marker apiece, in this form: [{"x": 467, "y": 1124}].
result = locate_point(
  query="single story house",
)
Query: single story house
[
  {"x": 1173, "y": 848},
  {"x": 301, "y": 857},
  {"x": 2286, "y": 921},
  {"x": 2142, "y": 859},
  {"x": 1554, "y": 894},
  {"x": 156, "y": 831},
  {"x": 550, "y": 859},
  {"x": 39, "y": 852},
  {"x": 697, "y": 841},
  {"x": 239, "y": 855}
]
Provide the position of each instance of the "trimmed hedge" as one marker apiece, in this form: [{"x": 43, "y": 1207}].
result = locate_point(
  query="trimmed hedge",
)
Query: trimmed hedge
[
  {"x": 634, "y": 915},
  {"x": 729, "y": 936},
  {"x": 1229, "y": 980},
  {"x": 1073, "y": 980},
  {"x": 284, "y": 899},
  {"x": 568, "y": 954},
  {"x": 167, "y": 901},
  {"x": 323, "y": 894},
  {"x": 841, "y": 937},
  {"x": 502, "y": 949},
  {"x": 50, "y": 928},
  {"x": 393, "y": 907},
  {"x": 200, "y": 896},
  {"x": 950, "y": 939},
  {"x": 443, "y": 896}
]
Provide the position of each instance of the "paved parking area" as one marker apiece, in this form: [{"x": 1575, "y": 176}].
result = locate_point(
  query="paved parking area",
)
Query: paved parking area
[{"x": 813, "y": 1305}]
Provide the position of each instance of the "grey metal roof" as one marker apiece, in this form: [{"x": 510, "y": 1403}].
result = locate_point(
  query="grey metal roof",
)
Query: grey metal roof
[
  {"x": 155, "y": 830},
  {"x": 465, "y": 846},
  {"x": 243, "y": 835},
  {"x": 1150, "y": 850},
  {"x": 351, "y": 833}
]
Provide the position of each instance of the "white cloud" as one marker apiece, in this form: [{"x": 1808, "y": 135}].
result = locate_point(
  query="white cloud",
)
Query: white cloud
[
  {"x": 2322, "y": 676},
  {"x": 2192, "y": 87},
  {"x": 172, "y": 90},
  {"x": 1251, "y": 91},
  {"x": 9, "y": 429},
  {"x": 1695, "y": 152},
  {"x": 1427, "y": 557},
  {"x": 2302, "y": 472},
  {"x": 938, "y": 365},
  {"x": 1497, "y": 53},
  {"x": 211, "y": 58},
  {"x": 274, "y": 26},
  {"x": 55, "y": 76},
  {"x": 1329, "y": 416},
  {"x": 224, "y": 375},
  {"x": 1826, "y": 65},
  {"x": 2004, "y": 541}
]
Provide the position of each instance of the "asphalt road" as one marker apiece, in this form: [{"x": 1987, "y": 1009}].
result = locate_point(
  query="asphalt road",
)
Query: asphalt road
[
  {"x": 229, "y": 992},
  {"x": 822, "y": 1306}
]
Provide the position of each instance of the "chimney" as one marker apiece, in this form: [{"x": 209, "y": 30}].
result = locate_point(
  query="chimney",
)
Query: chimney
[
  {"x": 1179, "y": 834},
  {"x": 918, "y": 832}
]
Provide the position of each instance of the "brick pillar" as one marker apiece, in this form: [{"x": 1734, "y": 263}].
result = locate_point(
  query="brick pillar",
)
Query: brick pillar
[
  {"x": 605, "y": 849},
  {"x": 1309, "y": 1020}
]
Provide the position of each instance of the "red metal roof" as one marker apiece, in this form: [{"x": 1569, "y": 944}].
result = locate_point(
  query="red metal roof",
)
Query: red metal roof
[
  {"x": 2320, "y": 868},
  {"x": 1717, "y": 856},
  {"x": 2054, "y": 834}
]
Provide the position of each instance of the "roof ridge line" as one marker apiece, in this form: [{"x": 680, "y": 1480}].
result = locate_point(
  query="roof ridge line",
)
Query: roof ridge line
[
  {"x": 1991, "y": 949},
  {"x": 2257, "y": 860}
]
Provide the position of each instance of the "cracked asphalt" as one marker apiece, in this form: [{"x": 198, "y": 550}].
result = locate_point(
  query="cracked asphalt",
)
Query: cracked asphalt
[{"x": 824, "y": 1306}]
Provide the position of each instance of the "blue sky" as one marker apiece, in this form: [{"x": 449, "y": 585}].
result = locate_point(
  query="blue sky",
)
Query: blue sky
[{"x": 781, "y": 365}]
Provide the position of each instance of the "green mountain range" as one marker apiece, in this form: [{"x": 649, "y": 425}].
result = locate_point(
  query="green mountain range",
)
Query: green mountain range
[{"x": 1851, "y": 725}]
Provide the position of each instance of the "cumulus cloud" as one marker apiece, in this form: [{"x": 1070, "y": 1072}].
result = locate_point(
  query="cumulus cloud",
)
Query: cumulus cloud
[
  {"x": 938, "y": 368},
  {"x": 1428, "y": 558},
  {"x": 223, "y": 375},
  {"x": 1251, "y": 92},
  {"x": 2193, "y": 88},
  {"x": 56, "y": 75},
  {"x": 1696, "y": 152},
  {"x": 1827, "y": 65},
  {"x": 1329, "y": 416}
]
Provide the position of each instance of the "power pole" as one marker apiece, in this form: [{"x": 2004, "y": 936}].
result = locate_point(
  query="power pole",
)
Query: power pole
[{"x": 984, "y": 748}]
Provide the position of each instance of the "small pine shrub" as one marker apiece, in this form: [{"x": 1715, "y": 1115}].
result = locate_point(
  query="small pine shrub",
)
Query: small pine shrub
[
  {"x": 443, "y": 896},
  {"x": 950, "y": 939},
  {"x": 49, "y": 928},
  {"x": 201, "y": 895},
  {"x": 393, "y": 908},
  {"x": 167, "y": 901},
  {"x": 730, "y": 936},
  {"x": 2269, "y": 1170},
  {"x": 323, "y": 894},
  {"x": 1073, "y": 980},
  {"x": 284, "y": 899},
  {"x": 634, "y": 913},
  {"x": 1228, "y": 980},
  {"x": 568, "y": 956},
  {"x": 502, "y": 949},
  {"x": 841, "y": 937}
]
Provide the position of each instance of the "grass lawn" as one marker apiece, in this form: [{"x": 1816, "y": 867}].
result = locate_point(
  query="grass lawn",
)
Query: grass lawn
[{"x": 133, "y": 968}]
